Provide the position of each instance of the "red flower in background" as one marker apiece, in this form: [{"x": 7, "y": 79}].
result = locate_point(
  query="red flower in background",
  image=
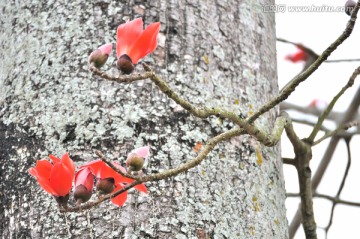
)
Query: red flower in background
[
  {"x": 134, "y": 43},
  {"x": 56, "y": 177},
  {"x": 111, "y": 181},
  {"x": 300, "y": 55},
  {"x": 318, "y": 104}
]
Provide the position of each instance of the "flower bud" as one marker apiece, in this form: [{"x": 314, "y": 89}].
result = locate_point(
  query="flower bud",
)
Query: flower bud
[
  {"x": 136, "y": 158},
  {"x": 349, "y": 7},
  {"x": 134, "y": 162},
  {"x": 81, "y": 194},
  {"x": 125, "y": 64},
  {"x": 99, "y": 57},
  {"x": 84, "y": 184},
  {"x": 105, "y": 186}
]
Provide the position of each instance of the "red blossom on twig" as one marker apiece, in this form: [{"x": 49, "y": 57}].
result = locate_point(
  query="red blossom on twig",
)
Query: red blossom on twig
[
  {"x": 108, "y": 178},
  {"x": 300, "y": 55},
  {"x": 134, "y": 43},
  {"x": 56, "y": 177}
]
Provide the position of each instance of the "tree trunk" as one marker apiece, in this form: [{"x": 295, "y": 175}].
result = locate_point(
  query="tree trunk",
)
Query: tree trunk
[{"x": 213, "y": 53}]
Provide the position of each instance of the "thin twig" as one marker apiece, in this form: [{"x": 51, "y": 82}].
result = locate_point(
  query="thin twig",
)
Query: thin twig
[
  {"x": 334, "y": 116},
  {"x": 260, "y": 135},
  {"x": 348, "y": 165},
  {"x": 204, "y": 112},
  {"x": 306, "y": 122},
  {"x": 331, "y": 105},
  {"x": 330, "y": 198},
  {"x": 288, "y": 161},
  {"x": 113, "y": 167},
  {"x": 337, "y": 200},
  {"x": 336, "y": 131},
  {"x": 121, "y": 78},
  {"x": 341, "y": 60}
]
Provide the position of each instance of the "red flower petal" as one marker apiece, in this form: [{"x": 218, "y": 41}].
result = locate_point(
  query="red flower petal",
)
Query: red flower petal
[
  {"x": 61, "y": 179},
  {"x": 54, "y": 159},
  {"x": 121, "y": 198},
  {"x": 95, "y": 167},
  {"x": 145, "y": 44},
  {"x": 107, "y": 172},
  {"x": 43, "y": 168},
  {"x": 298, "y": 56},
  {"x": 127, "y": 34},
  {"x": 84, "y": 177},
  {"x": 66, "y": 160},
  {"x": 102, "y": 170},
  {"x": 44, "y": 183},
  {"x": 141, "y": 188}
]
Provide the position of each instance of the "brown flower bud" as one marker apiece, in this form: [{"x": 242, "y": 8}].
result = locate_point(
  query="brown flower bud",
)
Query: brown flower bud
[
  {"x": 125, "y": 64},
  {"x": 82, "y": 194},
  {"x": 105, "y": 185},
  {"x": 349, "y": 7},
  {"x": 100, "y": 55},
  {"x": 98, "y": 58},
  {"x": 134, "y": 162}
]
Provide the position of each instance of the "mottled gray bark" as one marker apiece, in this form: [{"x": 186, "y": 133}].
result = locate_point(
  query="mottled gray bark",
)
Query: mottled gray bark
[{"x": 214, "y": 53}]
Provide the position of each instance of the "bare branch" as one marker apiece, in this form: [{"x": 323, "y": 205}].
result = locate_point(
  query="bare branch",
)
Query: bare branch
[
  {"x": 335, "y": 200},
  {"x": 341, "y": 185},
  {"x": 252, "y": 130},
  {"x": 121, "y": 78},
  {"x": 331, "y": 105},
  {"x": 336, "y": 131},
  {"x": 348, "y": 116},
  {"x": 341, "y": 60},
  {"x": 302, "y": 159},
  {"x": 288, "y": 161},
  {"x": 334, "y": 116}
]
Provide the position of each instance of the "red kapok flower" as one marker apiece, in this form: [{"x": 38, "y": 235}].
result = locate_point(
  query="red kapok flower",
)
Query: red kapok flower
[
  {"x": 56, "y": 177},
  {"x": 318, "y": 104},
  {"x": 100, "y": 55},
  {"x": 112, "y": 180},
  {"x": 134, "y": 43},
  {"x": 300, "y": 55},
  {"x": 84, "y": 184},
  {"x": 136, "y": 158}
]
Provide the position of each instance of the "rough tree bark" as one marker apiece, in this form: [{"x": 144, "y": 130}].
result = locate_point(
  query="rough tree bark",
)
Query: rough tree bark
[{"x": 213, "y": 53}]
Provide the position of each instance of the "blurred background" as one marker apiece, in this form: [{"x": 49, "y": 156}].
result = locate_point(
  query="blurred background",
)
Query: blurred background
[{"x": 317, "y": 30}]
